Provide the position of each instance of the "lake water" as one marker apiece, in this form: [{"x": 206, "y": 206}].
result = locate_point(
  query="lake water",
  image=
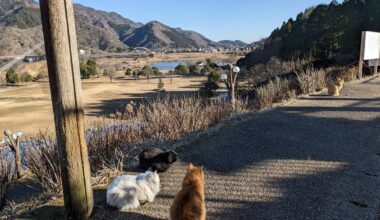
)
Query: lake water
[
  {"x": 168, "y": 65},
  {"x": 172, "y": 65}
]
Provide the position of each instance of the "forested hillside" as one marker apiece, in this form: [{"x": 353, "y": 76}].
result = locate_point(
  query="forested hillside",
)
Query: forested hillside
[{"x": 325, "y": 34}]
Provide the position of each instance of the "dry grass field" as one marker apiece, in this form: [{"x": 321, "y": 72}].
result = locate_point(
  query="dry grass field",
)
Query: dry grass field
[{"x": 29, "y": 108}]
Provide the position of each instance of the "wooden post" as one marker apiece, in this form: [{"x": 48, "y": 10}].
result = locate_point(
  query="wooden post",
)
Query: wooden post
[
  {"x": 361, "y": 59},
  {"x": 66, "y": 92},
  {"x": 375, "y": 68}
]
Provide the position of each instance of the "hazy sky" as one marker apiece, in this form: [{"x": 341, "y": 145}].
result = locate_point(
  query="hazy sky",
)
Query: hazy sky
[{"x": 247, "y": 20}]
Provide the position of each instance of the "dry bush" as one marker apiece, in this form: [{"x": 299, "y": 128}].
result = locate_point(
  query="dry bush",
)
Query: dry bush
[
  {"x": 7, "y": 174},
  {"x": 274, "y": 92},
  {"x": 346, "y": 73},
  {"x": 169, "y": 119},
  {"x": 352, "y": 73},
  {"x": 311, "y": 80},
  {"x": 114, "y": 144},
  {"x": 42, "y": 159},
  {"x": 275, "y": 67}
]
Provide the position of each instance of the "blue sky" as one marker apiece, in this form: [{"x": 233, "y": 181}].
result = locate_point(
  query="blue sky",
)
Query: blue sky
[{"x": 247, "y": 20}]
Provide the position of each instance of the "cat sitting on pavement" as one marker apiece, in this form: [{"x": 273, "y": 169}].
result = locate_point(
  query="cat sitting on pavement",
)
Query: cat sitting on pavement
[
  {"x": 189, "y": 203},
  {"x": 157, "y": 159},
  {"x": 129, "y": 191}
]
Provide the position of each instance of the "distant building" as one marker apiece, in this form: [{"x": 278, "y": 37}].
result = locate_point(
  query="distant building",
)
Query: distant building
[{"x": 32, "y": 58}]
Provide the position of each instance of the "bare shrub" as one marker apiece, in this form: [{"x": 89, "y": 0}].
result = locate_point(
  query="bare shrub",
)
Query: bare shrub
[
  {"x": 311, "y": 80},
  {"x": 7, "y": 174},
  {"x": 42, "y": 159},
  {"x": 344, "y": 73},
  {"x": 169, "y": 119},
  {"x": 274, "y": 68},
  {"x": 274, "y": 92},
  {"x": 114, "y": 144}
]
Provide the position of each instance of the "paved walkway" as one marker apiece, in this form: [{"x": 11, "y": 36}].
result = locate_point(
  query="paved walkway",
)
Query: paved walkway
[{"x": 317, "y": 158}]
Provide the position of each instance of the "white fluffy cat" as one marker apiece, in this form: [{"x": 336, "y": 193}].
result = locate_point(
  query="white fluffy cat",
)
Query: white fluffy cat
[{"x": 128, "y": 192}]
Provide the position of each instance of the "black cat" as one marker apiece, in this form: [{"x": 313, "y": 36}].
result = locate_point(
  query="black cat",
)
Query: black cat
[{"x": 157, "y": 159}]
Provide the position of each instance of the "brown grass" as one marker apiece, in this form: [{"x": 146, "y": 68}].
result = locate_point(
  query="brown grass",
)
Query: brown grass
[
  {"x": 311, "y": 80},
  {"x": 28, "y": 108},
  {"x": 42, "y": 159},
  {"x": 274, "y": 92},
  {"x": 346, "y": 74},
  {"x": 7, "y": 174}
]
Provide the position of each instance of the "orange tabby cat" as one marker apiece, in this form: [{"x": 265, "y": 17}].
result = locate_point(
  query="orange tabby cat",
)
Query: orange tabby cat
[{"x": 189, "y": 204}]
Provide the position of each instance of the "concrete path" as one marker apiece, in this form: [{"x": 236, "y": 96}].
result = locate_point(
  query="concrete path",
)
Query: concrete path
[{"x": 317, "y": 158}]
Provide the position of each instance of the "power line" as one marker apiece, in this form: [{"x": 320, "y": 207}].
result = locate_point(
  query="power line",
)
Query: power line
[{"x": 21, "y": 57}]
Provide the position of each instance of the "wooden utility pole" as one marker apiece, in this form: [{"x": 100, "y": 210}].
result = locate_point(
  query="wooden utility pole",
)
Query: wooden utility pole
[
  {"x": 66, "y": 92},
  {"x": 361, "y": 59}
]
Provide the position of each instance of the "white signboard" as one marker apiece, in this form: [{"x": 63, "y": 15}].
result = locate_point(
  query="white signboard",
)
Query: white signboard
[
  {"x": 373, "y": 62},
  {"x": 372, "y": 46}
]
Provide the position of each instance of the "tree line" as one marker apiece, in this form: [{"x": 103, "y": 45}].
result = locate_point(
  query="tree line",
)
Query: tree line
[{"x": 326, "y": 34}]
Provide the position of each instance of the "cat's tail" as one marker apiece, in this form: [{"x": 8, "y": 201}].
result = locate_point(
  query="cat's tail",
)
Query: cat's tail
[{"x": 123, "y": 199}]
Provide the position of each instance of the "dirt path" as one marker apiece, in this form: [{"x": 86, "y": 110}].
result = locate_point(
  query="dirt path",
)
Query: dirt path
[{"x": 317, "y": 158}]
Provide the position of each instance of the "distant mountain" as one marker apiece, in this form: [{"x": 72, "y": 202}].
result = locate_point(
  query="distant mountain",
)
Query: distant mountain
[
  {"x": 157, "y": 35},
  {"x": 20, "y": 28},
  {"x": 102, "y": 30},
  {"x": 230, "y": 43},
  {"x": 326, "y": 34}
]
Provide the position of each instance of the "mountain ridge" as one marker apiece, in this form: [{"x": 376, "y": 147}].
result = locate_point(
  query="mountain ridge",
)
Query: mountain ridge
[{"x": 96, "y": 29}]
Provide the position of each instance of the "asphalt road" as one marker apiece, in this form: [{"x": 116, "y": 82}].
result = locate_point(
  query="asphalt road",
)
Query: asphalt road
[{"x": 317, "y": 158}]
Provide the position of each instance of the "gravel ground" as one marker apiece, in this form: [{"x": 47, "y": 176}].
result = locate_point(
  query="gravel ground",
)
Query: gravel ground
[{"x": 317, "y": 158}]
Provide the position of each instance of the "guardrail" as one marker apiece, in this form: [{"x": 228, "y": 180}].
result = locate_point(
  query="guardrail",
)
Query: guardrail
[{"x": 19, "y": 58}]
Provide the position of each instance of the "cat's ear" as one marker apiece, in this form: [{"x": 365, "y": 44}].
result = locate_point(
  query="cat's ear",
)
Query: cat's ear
[
  {"x": 190, "y": 167},
  {"x": 172, "y": 157},
  {"x": 155, "y": 172}
]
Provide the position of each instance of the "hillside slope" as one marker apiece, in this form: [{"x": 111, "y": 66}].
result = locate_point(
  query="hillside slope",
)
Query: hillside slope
[
  {"x": 325, "y": 34},
  {"x": 20, "y": 22}
]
